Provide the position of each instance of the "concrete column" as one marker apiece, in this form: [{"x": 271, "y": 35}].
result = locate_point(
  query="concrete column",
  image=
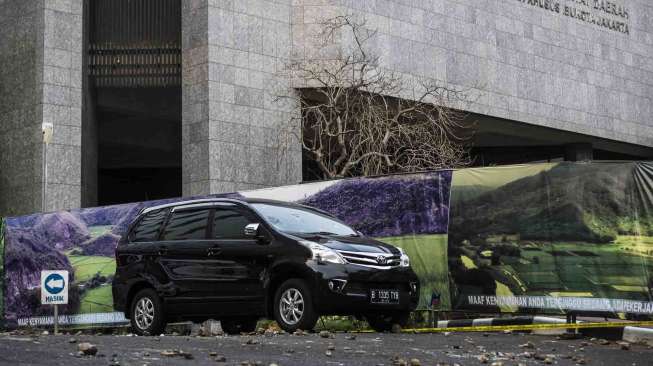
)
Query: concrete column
[
  {"x": 579, "y": 152},
  {"x": 233, "y": 53},
  {"x": 40, "y": 81},
  {"x": 62, "y": 101}
]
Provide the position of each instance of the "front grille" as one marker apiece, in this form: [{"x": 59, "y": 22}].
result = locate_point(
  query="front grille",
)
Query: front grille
[{"x": 375, "y": 260}]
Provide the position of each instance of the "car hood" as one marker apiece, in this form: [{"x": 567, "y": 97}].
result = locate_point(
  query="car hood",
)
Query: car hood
[{"x": 351, "y": 243}]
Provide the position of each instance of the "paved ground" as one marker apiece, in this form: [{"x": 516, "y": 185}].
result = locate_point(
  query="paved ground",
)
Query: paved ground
[{"x": 313, "y": 349}]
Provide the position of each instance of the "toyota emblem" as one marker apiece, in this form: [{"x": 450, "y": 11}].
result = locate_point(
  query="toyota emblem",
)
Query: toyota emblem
[{"x": 381, "y": 260}]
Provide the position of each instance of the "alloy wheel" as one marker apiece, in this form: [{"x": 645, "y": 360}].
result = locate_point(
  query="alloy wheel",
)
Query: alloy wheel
[
  {"x": 291, "y": 306},
  {"x": 144, "y": 313}
]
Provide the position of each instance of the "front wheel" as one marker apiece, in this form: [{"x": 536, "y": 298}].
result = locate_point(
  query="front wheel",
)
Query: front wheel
[
  {"x": 293, "y": 306},
  {"x": 384, "y": 322},
  {"x": 147, "y": 315}
]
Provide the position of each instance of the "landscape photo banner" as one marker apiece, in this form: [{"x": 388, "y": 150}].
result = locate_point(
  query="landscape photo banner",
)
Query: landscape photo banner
[
  {"x": 536, "y": 238},
  {"x": 552, "y": 238},
  {"x": 408, "y": 211}
]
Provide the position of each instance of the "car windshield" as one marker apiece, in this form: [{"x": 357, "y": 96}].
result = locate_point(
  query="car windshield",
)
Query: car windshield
[{"x": 301, "y": 221}]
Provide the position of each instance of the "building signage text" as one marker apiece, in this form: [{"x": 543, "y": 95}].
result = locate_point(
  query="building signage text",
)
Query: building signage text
[{"x": 606, "y": 14}]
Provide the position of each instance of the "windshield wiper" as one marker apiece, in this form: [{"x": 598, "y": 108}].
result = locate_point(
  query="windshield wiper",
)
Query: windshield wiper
[{"x": 321, "y": 233}]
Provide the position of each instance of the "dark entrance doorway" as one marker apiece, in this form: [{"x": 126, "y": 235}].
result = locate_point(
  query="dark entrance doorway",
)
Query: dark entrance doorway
[{"x": 132, "y": 104}]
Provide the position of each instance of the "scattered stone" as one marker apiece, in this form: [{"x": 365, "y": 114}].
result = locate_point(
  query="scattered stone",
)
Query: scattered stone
[
  {"x": 251, "y": 341},
  {"x": 625, "y": 346},
  {"x": 299, "y": 332},
  {"x": 351, "y": 337},
  {"x": 331, "y": 347},
  {"x": 328, "y": 353},
  {"x": 528, "y": 345},
  {"x": 397, "y": 361},
  {"x": 507, "y": 331},
  {"x": 220, "y": 358},
  {"x": 269, "y": 333},
  {"x": 604, "y": 342},
  {"x": 415, "y": 362},
  {"x": 547, "y": 360},
  {"x": 213, "y": 354},
  {"x": 87, "y": 349},
  {"x": 497, "y": 363},
  {"x": 72, "y": 340},
  {"x": 325, "y": 334},
  {"x": 175, "y": 353},
  {"x": 482, "y": 359},
  {"x": 396, "y": 328}
]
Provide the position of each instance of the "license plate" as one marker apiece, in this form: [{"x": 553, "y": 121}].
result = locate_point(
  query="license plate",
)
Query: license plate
[{"x": 384, "y": 296}]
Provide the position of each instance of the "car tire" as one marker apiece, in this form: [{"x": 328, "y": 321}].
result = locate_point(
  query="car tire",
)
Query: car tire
[
  {"x": 147, "y": 315},
  {"x": 239, "y": 325},
  {"x": 293, "y": 306},
  {"x": 384, "y": 322}
]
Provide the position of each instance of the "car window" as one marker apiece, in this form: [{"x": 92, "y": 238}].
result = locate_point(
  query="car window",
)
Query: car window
[
  {"x": 229, "y": 224},
  {"x": 148, "y": 227},
  {"x": 186, "y": 224}
]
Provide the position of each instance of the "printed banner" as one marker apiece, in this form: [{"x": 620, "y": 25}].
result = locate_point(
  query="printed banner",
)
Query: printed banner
[
  {"x": 410, "y": 211},
  {"x": 539, "y": 238},
  {"x": 552, "y": 238}
]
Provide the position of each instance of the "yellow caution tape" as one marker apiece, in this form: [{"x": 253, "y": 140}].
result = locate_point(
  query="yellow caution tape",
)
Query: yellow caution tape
[{"x": 499, "y": 328}]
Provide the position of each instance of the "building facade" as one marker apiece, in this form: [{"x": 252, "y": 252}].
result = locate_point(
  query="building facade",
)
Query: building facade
[{"x": 153, "y": 99}]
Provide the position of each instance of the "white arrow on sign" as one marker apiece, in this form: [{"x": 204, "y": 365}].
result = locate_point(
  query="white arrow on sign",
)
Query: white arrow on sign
[{"x": 55, "y": 283}]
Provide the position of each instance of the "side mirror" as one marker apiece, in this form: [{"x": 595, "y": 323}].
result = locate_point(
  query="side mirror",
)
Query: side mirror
[{"x": 251, "y": 230}]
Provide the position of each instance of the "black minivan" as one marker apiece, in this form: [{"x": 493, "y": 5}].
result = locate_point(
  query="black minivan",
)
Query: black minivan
[{"x": 237, "y": 260}]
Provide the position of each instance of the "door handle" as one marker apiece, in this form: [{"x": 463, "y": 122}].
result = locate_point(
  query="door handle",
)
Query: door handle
[
  {"x": 212, "y": 252},
  {"x": 162, "y": 251}
]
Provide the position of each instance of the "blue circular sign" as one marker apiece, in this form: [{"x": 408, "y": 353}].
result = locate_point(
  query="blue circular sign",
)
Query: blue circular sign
[{"x": 54, "y": 283}]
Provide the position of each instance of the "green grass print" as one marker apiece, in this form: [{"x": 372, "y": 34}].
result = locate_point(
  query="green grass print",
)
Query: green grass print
[
  {"x": 428, "y": 258},
  {"x": 87, "y": 266}
]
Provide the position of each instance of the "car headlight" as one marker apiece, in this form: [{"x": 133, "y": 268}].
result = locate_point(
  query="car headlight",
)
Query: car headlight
[
  {"x": 322, "y": 254},
  {"x": 404, "y": 261}
]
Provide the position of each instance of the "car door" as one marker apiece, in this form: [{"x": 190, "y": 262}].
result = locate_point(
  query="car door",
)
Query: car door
[
  {"x": 183, "y": 250},
  {"x": 242, "y": 260}
]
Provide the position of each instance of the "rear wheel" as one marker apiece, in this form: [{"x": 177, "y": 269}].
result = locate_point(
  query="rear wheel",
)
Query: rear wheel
[
  {"x": 293, "y": 306},
  {"x": 239, "y": 325},
  {"x": 147, "y": 315},
  {"x": 384, "y": 322}
]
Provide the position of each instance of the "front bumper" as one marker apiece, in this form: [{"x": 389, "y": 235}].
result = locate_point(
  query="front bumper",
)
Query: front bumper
[{"x": 354, "y": 297}]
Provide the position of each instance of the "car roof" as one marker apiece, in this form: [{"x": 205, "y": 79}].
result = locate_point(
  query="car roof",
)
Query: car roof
[{"x": 207, "y": 201}]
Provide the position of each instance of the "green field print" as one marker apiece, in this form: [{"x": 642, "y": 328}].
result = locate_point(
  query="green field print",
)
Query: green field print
[
  {"x": 96, "y": 297},
  {"x": 428, "y": 258},
  {"x": 551, "y": 230},
  {"x": 97, "y": 300},
  {"x": 88, "y": 266}
]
